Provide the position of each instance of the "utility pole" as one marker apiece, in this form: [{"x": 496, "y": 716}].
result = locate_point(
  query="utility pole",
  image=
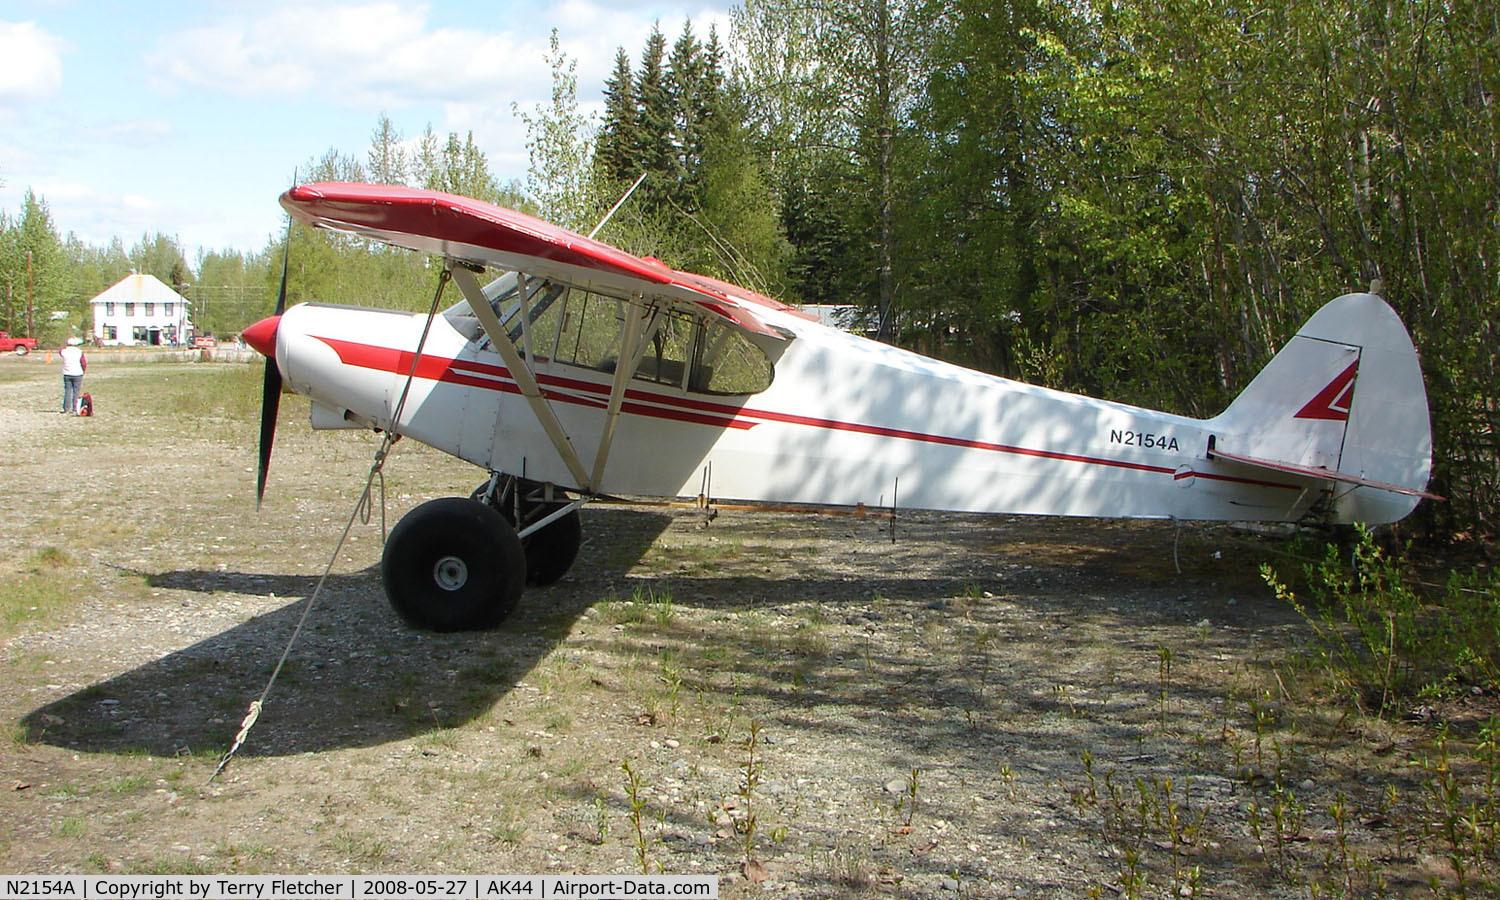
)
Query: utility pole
[{"x": 30, "y": 305}]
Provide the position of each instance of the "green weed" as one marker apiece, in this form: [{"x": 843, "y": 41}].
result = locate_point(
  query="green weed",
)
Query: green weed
[
  {"x": 634, "y": 794},
  {"x": 1381, "y": 642},
  {"x": 646, "y": 604},
  {"x": 750, "y": 775}
]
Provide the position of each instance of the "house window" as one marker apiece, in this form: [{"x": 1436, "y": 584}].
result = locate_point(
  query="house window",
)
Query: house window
[
  {"x": 148, "y": 309},
  {"x": 166, "y": 310},
  {"x": 129, "y": 309},
  {"x": 109, "y": 332},
  {"x": 109, "y": 309},
  {"x": 137, "y": 332}
]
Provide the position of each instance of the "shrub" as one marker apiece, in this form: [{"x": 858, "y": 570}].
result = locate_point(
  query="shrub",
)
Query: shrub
[{"x": 1383, "y": 640}]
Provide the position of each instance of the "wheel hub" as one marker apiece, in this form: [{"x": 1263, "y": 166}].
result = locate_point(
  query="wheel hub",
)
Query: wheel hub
[{"x": 450, "y": 573}]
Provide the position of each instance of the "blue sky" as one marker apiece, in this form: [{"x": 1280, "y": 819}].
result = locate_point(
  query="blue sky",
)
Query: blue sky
[{"x": 189, "y": 118}]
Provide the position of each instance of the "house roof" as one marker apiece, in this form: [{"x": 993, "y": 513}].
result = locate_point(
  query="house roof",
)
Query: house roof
[{"x": 137, "y": 288}]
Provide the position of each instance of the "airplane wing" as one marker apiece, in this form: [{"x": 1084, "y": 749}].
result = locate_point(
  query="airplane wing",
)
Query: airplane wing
[
  {"x": 478, "y": 232},
  {"x": 1317, "y": 472}
]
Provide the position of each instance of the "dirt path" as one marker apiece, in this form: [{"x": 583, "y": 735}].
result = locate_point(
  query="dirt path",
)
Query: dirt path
[{"x": 985, "y": 707}]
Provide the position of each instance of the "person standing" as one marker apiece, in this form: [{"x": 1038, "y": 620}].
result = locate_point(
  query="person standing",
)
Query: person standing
[{"x": 74, "y": 364}]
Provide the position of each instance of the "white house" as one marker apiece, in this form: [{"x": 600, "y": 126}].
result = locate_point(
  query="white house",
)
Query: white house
[{"x": 140, "y": 309}]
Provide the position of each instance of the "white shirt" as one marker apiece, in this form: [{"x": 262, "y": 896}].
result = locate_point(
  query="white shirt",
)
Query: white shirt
[{"x": 72, "y": 360}]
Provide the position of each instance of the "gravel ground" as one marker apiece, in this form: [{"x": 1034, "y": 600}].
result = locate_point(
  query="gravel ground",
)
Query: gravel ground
[{"x": 981, "y": 707}]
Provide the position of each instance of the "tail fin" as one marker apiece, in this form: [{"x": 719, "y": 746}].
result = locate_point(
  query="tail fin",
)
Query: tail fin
[{"x": 1343, "y": 401}]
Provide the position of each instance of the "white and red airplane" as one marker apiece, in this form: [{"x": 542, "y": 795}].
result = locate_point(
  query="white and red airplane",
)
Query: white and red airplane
[{"x": 584, "y": 371}]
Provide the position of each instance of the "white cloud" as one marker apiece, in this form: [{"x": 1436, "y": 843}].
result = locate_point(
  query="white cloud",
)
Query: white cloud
[
  {"x": 363, "y": 55},
  {"x": 387, "y": 55},
  {"x": 33, "y": 64}
]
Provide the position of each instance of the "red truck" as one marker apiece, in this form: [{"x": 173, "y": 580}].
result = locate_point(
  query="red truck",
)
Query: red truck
[{"x": 20, "y": 346}]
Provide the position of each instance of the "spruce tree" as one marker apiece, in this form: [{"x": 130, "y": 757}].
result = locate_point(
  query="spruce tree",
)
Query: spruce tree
[
  {"x": 615, "y": 152},
  {"x": 654, "y": 123}
]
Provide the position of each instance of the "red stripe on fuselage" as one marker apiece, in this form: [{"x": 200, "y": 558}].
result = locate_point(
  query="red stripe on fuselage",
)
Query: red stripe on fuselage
[
  {"x": 497, "y": 378},
  {"x": 701, "y": 412}
]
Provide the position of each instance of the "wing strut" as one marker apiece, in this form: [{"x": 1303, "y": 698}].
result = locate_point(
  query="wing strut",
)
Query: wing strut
[
  {"x": 526, "y": 381},
  {"x": 636, "y": 333}
]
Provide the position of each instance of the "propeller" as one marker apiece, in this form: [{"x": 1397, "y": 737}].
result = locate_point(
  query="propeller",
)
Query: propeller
[{"x": 262, "y": 336}]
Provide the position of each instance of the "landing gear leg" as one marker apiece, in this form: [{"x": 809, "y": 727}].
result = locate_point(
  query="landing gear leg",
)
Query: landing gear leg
[{"x": 551, "y": 549}]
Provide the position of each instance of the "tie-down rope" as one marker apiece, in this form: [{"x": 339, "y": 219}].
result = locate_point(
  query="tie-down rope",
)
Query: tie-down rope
[{"x": 361, "y": 512}]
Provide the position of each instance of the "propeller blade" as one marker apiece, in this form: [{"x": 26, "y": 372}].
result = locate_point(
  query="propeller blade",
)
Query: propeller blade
[
  {"x": 270, "y": 403},
  {"x": 286, "y": 252},
  {"x": 264, "y": 340}
]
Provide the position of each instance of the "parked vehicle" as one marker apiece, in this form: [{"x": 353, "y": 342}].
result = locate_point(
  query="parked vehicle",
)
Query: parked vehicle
[{"x": 18, "y": 346}]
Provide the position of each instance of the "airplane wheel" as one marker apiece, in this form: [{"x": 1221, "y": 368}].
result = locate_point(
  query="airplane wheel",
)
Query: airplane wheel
[
  {"x": 453, "y": 565},
  {"x": 551, "y": 551}
]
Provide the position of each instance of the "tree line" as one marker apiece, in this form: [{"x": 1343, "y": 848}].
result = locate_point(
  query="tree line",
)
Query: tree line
[{"x": 1136, "y": 200}]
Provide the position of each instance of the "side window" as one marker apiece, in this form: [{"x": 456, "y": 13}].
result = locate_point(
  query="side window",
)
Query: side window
[
  {"x": 545, "y": 301},
  {"x": 589, "y": 335},
  {"x": 726, "y": 362},
  {"x": 545, "y": 305},
  {"x": 667, "y": 352},
  {"x": 686, "y": 351}
]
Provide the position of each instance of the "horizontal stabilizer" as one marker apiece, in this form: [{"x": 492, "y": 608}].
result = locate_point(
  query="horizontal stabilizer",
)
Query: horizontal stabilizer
[{"x": 1318, "y": 472}]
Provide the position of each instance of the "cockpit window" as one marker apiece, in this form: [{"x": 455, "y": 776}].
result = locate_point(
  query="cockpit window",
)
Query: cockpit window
[
  {"x": 690, "y": 351},
  {"x": 726, "y": 362}
]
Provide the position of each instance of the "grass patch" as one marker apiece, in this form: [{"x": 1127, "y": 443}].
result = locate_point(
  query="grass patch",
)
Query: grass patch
[
  {"x": 360, "y": 847},
  {"x": 231, "y": 390},
  {"x": 646, "y": 604},
  {"x": 10, "y": 374},
  {"x": 17, "y": 734},
  {"x": 128, "y": 784},
  {"x": 45, "y": 586},
  {"x": 508, "y": 826},
  {"x": 169, "y": 866}
]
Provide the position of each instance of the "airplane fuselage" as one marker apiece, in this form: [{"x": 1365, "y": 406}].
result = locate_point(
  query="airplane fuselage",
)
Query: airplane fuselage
[{"x": 844, "y": 421}]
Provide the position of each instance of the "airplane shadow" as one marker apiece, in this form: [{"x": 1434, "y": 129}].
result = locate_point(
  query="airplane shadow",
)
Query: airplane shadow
[{"x": 357, "y": 676}]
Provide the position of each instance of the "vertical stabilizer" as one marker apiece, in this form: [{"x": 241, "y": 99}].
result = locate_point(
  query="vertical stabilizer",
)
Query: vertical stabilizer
[{"x": 1344, "y": 396}]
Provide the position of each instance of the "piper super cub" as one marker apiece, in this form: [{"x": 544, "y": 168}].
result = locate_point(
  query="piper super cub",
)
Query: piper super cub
[{"x": 584, "y": 371}]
